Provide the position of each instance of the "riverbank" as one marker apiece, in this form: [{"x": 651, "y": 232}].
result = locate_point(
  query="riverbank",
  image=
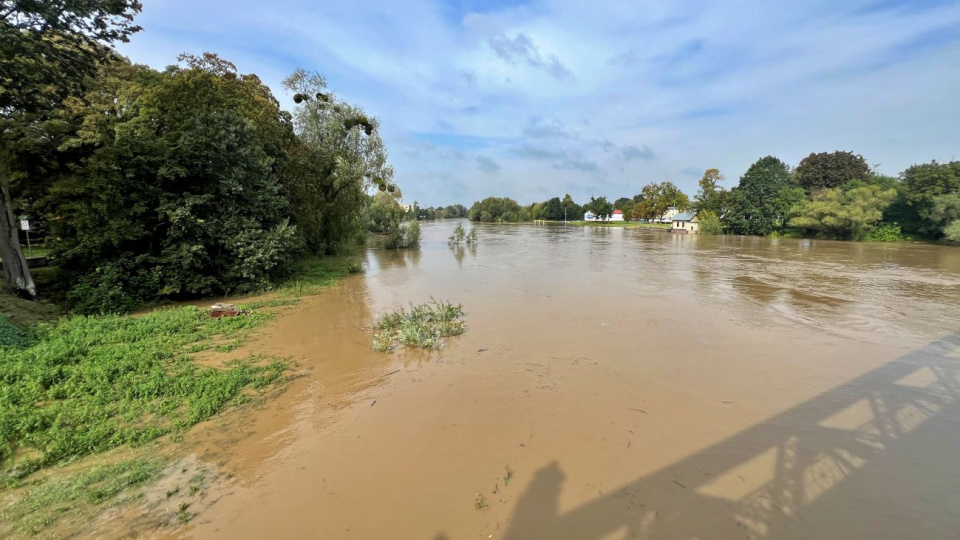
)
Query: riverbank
[{"x": 97, "y": 405}]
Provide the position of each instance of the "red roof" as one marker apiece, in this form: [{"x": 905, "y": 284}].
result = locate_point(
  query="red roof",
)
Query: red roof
[{"x": 618, "y": 211}]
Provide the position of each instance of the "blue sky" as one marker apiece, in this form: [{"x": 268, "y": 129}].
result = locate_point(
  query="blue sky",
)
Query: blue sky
[{"x": 534, "y": 99}]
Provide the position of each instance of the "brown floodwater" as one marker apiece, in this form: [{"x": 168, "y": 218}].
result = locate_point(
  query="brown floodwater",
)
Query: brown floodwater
[{"x": 611, "y": 384}]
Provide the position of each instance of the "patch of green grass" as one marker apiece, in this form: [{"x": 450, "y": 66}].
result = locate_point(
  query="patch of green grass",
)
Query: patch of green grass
[
  {"x": 88, "y": 384},
  {"x": 424, "y": 326},
  {"x": 43, "y": 503},
  {"x": 314, "y": 274}
]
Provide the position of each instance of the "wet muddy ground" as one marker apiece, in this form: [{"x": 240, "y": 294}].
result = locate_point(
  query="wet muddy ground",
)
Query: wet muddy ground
[{"x": 611, "y": 384}]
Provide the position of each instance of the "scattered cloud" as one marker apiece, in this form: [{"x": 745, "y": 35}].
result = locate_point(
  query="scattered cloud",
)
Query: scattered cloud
[
  {"x": 535, "y": 99},
  {"x": 487, "y": 165},
  {"x": 521, "y": 49},
  {"x": 632, "y": 152}
]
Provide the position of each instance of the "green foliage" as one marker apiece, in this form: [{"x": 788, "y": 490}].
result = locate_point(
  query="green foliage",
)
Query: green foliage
[
  {"x": 657, "y": 198},
  {"x": 411, "y": 235},
  {"x": 600, "y": 207},
  {"x": 385, "y": 213},
  {"x": 494, "y": 209},
  {"x": 337, "y": 156},
  {"x": 952, "y": 232},
  {"x": 180, "y": 195},
  {"x": 760, "y": 203},
  {"x": 12, "y": 335},
  {"x": 404, "y": 236},
  {"x": 845, "y": 213},
  {"x": 885, "y": 232},
  {"x": 88, "y": 384},
  {"x": 922, "y": 184},
  {"x": 424, "y": 326},
  {"x": 709, "y": 223},
  {"x": 454, "y": 211},
  {"x": 42, "y": 504},
  {"x": 460, "y": 236},
  {"x": 711, "y": 195},
  {"x": 830, "y": 170}
]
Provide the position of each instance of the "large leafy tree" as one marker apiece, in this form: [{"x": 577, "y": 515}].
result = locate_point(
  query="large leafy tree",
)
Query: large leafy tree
[
  {"x": 828, "y": 170},
  {"x": 180, "y": 194},
  {"x": 923, "y": 185},
  {"x": 844, "y": 213},
  {"x": 337, "y": 158},
  {"x": 600, "y": 206},
  {"x": 760, "y": 203},
  {"x": 656, "y": 198},
  {"x": 48, "y": 50},
  {"x": 571, "y": 209},
  {"x": 494, "y": 209},
  {"x": 711, "y": 195}
]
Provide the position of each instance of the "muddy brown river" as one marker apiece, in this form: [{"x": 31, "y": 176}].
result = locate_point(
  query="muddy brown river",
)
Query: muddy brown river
[{"x": 612, "y": 384}]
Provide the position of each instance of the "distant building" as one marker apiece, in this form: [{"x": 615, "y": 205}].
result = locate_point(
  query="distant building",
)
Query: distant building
[
  {"x": 617, "y": 215},
  {"x": 406, "y": 207},
  {"x": 685, "y": 223},
  {"x": 589, "y": 216},
  {"x": 667, "y": 216}
]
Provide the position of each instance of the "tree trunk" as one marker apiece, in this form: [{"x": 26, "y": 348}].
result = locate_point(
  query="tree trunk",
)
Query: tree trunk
[{"x": 16, "y": 275}]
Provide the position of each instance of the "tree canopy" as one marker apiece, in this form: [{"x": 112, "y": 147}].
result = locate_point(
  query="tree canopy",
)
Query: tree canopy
[
  {"x": 830, "y": 170},
  {"x": 760, "y": 203}
]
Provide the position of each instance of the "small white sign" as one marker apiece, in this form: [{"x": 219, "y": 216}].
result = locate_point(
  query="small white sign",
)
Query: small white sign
[{"x": 24, "y": 225}]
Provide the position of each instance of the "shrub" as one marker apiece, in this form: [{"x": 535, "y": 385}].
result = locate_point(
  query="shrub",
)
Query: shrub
[
  {"x": 710, "y": 223},
  {"x": 424, "y": 326},
  {"x": 885, "y": 232}
]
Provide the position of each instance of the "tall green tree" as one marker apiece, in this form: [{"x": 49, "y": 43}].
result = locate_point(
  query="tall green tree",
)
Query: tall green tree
[
  {"x": 180, "y": 195},
  {"x": 571, "y": 210},
  {"x": 48, "y": 50},
  {"x": 762, "y": 200},
  {"x": 657, "y": 198},
  {"x": 828, "y": 170},
  {"x": 600, "y": 207},
  {"x": 922, "y": 185},
  {"x": 338, "y": 156},
  {"x": 711, "y": 194}
]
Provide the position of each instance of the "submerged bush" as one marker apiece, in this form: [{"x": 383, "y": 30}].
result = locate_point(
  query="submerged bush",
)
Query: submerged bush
[
  {"x": 460, "y": 235},
  {"x": 424, "y": 326},
  {"x": 885, "y": 232},
  {"x": 89, "y": 384},
  {"x": 710, "y": 223},
  {"x": 404, "y": 237}
]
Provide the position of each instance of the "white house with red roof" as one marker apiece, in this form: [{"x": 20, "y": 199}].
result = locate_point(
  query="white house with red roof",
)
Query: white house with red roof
[{"x": 617, "y": 215}]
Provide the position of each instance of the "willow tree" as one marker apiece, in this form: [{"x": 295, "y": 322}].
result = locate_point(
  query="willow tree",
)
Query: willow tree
[
  {"x": 337, "y": 159},
  {"x": 48, "y": 49}
]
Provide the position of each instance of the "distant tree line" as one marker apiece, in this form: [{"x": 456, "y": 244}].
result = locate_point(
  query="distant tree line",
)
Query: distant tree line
[
  {"x": 186, "y": 182},
  {"x": 835, "y": 195}
]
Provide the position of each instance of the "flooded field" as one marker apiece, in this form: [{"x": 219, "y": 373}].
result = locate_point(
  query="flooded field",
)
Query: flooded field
[{"x": 611, "y": 384}]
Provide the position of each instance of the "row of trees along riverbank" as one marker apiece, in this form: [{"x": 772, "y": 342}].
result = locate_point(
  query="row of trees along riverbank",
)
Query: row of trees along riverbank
[
  {"x": 828, "y": 195},
  {"x": 186, "y": 182}
]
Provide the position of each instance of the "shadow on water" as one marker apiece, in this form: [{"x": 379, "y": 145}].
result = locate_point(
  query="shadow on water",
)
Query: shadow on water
[{"x": 875, "y": 457}]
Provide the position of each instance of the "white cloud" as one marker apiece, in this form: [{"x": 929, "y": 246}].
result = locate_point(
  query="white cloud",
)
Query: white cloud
[{"x": 550, "y": 97}]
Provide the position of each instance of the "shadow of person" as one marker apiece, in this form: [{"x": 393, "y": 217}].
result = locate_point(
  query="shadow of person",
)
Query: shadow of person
[{"x": 537, "y": 509}]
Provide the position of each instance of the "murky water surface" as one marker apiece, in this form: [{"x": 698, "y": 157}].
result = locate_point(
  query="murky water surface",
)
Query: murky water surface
[{"x": 613, "y": 384}]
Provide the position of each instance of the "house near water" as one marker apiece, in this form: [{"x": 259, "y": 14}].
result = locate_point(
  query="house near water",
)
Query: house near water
[{"x": 686, "y": 223}]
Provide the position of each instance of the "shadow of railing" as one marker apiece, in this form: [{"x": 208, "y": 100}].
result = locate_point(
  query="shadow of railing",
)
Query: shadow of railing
[{"x": 877, "y": 457}]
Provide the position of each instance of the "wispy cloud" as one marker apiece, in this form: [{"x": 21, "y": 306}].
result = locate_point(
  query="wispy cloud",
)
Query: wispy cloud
[
  {"x": 534, "y": 98},
  {"x": 488, "y": 165},
  {"x": 632, "y": 152},
  {"x": 520, "y": 49}
]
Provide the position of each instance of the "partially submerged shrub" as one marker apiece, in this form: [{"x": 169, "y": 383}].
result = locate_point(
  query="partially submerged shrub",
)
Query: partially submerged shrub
[
  {"x": 460, "y": 235},
  {"x": 404, "y": 236},
  {"x": 424, "y": 326}
]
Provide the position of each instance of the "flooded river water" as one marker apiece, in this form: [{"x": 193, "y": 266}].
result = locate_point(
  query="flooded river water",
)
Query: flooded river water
[{"x": 613, "y": 384}]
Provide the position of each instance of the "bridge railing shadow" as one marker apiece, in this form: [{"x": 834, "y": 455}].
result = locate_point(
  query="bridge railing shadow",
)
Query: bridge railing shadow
[{"x": 874, "y": 457}]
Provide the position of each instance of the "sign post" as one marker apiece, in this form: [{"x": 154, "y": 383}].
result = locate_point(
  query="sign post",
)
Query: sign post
[{"x": 25, "y": 227}]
